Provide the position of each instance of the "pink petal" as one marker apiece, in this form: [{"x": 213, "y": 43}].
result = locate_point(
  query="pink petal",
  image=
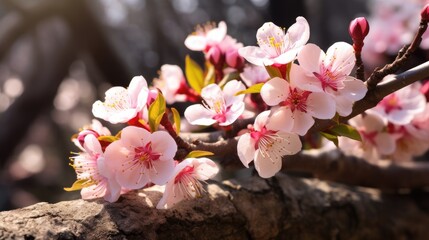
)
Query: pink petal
[
  {"x": 233, "y": 113},
  {"x": 267, "y": 167},
  {"x": 132, "y": 136},
  {"x": 94, "y": 191},
  {"x": 371, "y": 122},
  {"x": 246, "y": 149},
  {"x": 138, "y": 92},
  {"x": 92, "y": 145},
  {"x": 281, "y": 120},
  {"x": 275, "y": 91},
  {"x": 197, "y": 114},
  {"x": 168, "y": 199},
  {"x": 344, "y": 106},
  {"x": 164, "y": 144},
  {"x": 261, "y": 120},
  {"x": 310, "y": 58},
  {"x": 204, "y": 168},
  {"x": 211, "y": 91},
  {"x": 299, "y": 78},
  {"x": 385, "y": 143},
  {"x": 113, "y": 191},
  {"x": 302, "y": 122},
  {"x": 286, "y": 57},
  {"x": 132, "y": 177},
  {"x": 299, "y": 33},
  {"x": 341, "y": 58},
  {"x": 321, "y": 105},
  {"x": 354, "y": 89},
  {"x": 161, "y": 172}
]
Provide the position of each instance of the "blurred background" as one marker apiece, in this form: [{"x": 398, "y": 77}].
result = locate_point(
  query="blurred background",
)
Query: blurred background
[{"x": 58, "y": 56}]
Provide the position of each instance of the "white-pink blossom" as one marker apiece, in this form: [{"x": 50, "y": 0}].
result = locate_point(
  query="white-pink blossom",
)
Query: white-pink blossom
[
  {"x": 376, "y": 142},
  {"x": 219, "y": 106},
  {"x": 266, "y": 146},
  {"x": 253, "y": 74},
  {"x": 185, "y": 182},
  {"x": 401, "y": 106},
  {"x": 95, "y": 128},
  {"x": 320, "y": 72},
  {"x": 293, "y": 109},
  {"x": 141, "y": 157},
  {"x": 275, "y": 45},
  {"x": 171, "y": 79},
  {"x": 90, "y": 167},
  {"x": 205, "y": 37},
  {"x": 121, "y": 104}
]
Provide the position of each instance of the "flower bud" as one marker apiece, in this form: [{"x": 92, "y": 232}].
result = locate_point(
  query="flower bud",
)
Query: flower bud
[
  {"x": 358, "y": 29},
  {"x": 425, "y": 13},
  {"x": 214, "y": 55},
  {"x": 81, "y": 135},
  {"x": 233, "y": 59}
]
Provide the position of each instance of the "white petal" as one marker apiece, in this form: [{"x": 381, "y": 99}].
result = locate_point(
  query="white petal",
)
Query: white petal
[
  {"x": 261, "y": 120},
  {"x": 254, "y": 55},
  {"x": 302, "y": 122},
  {"x": 275, "y": 91},
  {"x": 321, "y": 105},
  {"x": 299, "y": 33},
  {"x": 229, "y": 91},
  {"x": 270, "y": 38},
  {"x": 385, "y": 143},
  {"x": 344, "y": 106},
  {"x": 310, "y": 58},
  {"x": 354, "y": 89},
  {"x": 204, "y": 168},
  {"x": 341, "y": 58},
  {"x": 233, "y": 113},
  {"x": 211, "y": 91},
  {"x": 304, "y": 81},
  {"x": 267, "y": 167},
  {"x": 196, "y": 42},
  {"x": 281, "y": 120},
  {"x": 132, "y": 136},
  {"x": 164, "y": 144},
  {"x": 162, "y": 171},
  {"x": 292, "y": 144},
  {"x": 246, "y": 149},
  {"x": 197, "y": 114}
]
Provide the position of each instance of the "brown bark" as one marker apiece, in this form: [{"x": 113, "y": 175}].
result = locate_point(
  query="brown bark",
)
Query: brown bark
[{"x": 283, "y": 207}]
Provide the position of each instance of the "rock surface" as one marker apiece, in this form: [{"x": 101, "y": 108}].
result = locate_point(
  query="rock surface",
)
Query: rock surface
[{"x": 283, "y": 207}]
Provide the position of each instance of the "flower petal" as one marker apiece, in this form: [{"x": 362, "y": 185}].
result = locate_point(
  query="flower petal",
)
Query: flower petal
[
  {"x": 246, "y": 149},
  {"x": 204, "y": 168},
  {"x": 229, "y": 91},
  {"x": 254, "y": 55},
  {"x": 299, "y": 78},
  {"x": 302, "y": 122},
  {"x": 196, "y": 42},
  {"x": 321, "y": 105},
  {"x": 197, "y": 114},
  {"x": 354, "y": 89},
  {"x": 298, "y": 34},
  {"x": 161, "y": 171},
  {"x": 266, "y": 166},
  {"x": 340, "y": 58},
  {"x": 275, "y": 91},
  {"x": 310, "y": 58},
  {"x": 164, "y": 144},
  {"x": 281, "y": 120}
]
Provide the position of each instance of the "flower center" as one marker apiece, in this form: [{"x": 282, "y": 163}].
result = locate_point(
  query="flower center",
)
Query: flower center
[
  {"x": 297, "y": 100},
  {"x": 269, "y": 143},
  {"x": 391, "y": 103},
  {"x": 218, "y": 107},
  {"x": 327, "y": 79},
  {"x": 145, "y": 155},
  {"x": 186, "y": 183}
]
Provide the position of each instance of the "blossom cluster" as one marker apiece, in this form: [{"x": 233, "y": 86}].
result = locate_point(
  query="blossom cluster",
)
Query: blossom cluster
[
  {"x": 396, "y": 129},
  {"x": 283, "y": 86}
]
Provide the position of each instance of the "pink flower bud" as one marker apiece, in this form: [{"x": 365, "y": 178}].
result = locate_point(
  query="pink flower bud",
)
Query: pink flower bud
[
  {"x": 358, "y": 29},
  {"x": 214, "y": 55},
  {"x": 233, "y": 59},
  {"x": 81, "y": 136},
  {"x": 425, "y": 13}
]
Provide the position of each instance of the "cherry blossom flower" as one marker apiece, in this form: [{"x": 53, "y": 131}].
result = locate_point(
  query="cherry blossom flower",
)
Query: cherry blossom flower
[
  {"x": 122, "y": 105},
  {"x": 275, "y": 45},
  {"x": 376, "y": 141},
  {"x": 266, "y": 146},
  {"x": 91, "y": 166},
  {"x": 253, "y": 74},
  {"x": 170, "y": 81},
  {"x": 205, "y": 37},
  {"x": 221, "y": 106},
  {"x": 294, "y": 108},
  {"x": 401, "y": 106},
  {"x": 141, "y": 157},
  {"x": 320, "y": 72},
  {"x": 185, "y": 181},
  {"x": 95, "y": 128}
]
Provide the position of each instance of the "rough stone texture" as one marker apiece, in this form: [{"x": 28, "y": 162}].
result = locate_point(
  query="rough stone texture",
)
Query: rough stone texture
[{"x": 283, "y": 207}]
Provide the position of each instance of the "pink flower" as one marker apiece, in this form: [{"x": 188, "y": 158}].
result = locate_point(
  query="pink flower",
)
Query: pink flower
[
  {"x": 205, "y": 37},
  {"x": 376, "y": 141},
  {"x": 401, "y": 106},
  {"x": 277, "y": 46},
  {"x": 91, "y": 166},
  {"x": 320, "y": 72},
  {"x": 253, "y": 74},
  {"x": 185, "y": 181},
  {"x": 141, "y": 157},
  {"x": 220, "y": 106},
  {"x": 170, "y": 81},
  {"x": 294, "y": 108},
  {"x": 266, "y": 146},
  {"x": 96, "y": 129},
  {"x": 122, "y": 105}
]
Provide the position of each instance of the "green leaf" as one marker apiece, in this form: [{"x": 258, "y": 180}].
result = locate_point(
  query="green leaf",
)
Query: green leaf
[
  {"x": 194, "y": 74},
  {"x": 156, "y": 111},
  {"x": 107, "y": 138},
  {"x": 330, "y": 137},
  {"x": 273, "y": 72},
  {"x": 176, "y": 118},
  {"x": 79, "y": 184},
  {"x": 346, "y": 131},
  {"x": 252, "y": 89},
  {"x": 199, "y": 153}
]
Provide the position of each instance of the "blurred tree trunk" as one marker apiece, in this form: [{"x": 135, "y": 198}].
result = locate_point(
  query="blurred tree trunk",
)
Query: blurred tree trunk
[{"x": 279, "y": 208}]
